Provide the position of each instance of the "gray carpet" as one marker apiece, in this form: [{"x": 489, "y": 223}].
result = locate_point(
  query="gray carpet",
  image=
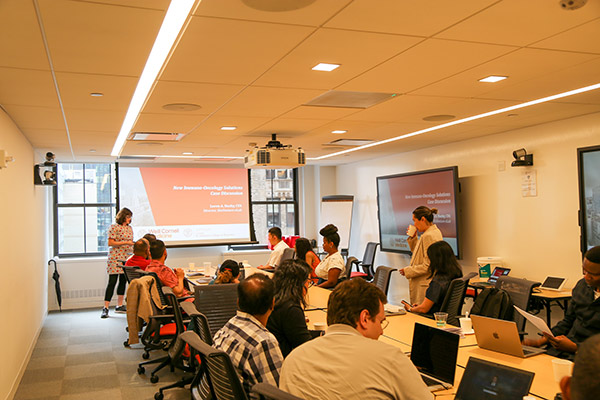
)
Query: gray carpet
[{"x": 81, "y": 356}]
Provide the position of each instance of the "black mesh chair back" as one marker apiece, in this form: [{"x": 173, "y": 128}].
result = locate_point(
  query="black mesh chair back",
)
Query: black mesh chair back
[
  {"x": 369, "y": 258},
  {"x": 159, "y": 285},
  {"x": 455, "y": 297},
  {"x": 270, "y": 392},
  {"x": 218, "y": 303},
  {"x": 132, "y": 273},
  {"x": 201, "y": 325},
  {"x": 288, "y": 254},
  {"x": 382, "y": 278},
  {"x": 519, "y": 291},
  {"x": 350, "y": 261},
  {"x": 222, "y": 377}
]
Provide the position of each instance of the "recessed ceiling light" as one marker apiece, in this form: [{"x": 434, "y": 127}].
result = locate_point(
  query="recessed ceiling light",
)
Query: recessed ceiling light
[
  {"x": 187, "y": 153},
  {"x": 439, "y": 117},
  {"x": 92, "y": 150},
  {"x": 493, "y": 78},
  {"x": 97, "y": 94},
  {"x": 339, "y": 132},
  {"x": 228, "y": 128},
  {"x": 325, "y": 67},
  {"x": 181, "y": 107}
]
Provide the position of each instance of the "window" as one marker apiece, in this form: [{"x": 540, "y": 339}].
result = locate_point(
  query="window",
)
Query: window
[
  {"x": 84, "y": 208},
  {"x": 274, "y": 201}
]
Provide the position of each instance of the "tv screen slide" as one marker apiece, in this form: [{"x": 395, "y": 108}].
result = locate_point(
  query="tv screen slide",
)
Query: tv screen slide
[
  {"x": 187, "y": 206},
  {"x": 399, "y": 195},
  {"x": 589, "y": 196}
]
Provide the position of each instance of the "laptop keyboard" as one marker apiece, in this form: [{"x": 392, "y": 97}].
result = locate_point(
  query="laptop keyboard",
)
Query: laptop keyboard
[{"x": 428, "y": 381}]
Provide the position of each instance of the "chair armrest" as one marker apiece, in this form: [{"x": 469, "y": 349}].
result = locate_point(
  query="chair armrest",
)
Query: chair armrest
[{"x": 264, "y": 390}]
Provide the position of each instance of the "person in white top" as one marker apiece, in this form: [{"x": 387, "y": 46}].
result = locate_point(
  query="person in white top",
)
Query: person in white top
[
  {"x": 332, "y": 267},
  {"x": 278, "y": 247}
]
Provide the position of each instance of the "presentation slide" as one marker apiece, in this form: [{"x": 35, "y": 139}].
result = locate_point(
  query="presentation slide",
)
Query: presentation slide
[
  {"x": 399, "y": 195},
  {"x": 590, "y": 191},
  {"x": 187, "y": 206}
]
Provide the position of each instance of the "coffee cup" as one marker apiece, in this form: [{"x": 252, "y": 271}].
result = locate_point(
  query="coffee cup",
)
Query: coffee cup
[
  {"x": 192, "y": 266},
  {"x": 465, "y": 324},
  {"x": 411, "y": 230},
  {"x": 320, "y": 326},
  {"x": 561, "y": 368}
]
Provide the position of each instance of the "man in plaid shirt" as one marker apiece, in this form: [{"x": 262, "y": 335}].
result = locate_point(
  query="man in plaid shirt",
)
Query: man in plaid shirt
[{"x": 253, "y": 349}]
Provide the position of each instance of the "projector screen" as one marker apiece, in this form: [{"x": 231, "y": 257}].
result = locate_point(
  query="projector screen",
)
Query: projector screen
[
  {"x": 187, "y": 206},
  {"x": 589, "y": 196},
  {"x": 399, "y": 195}
]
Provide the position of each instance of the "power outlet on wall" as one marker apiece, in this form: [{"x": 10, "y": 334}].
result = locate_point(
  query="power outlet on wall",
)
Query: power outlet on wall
[{"x": 501, "y": 166}]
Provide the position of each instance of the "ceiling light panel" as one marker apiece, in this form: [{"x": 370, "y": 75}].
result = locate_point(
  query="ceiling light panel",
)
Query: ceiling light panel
[
  {"x": 325, "y": 67},
  {"x": 493, "y": 78}
]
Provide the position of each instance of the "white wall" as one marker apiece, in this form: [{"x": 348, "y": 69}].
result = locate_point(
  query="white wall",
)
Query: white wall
[
  {"x": 23, "y": 245},
  {"x": 536, "y": 236}
]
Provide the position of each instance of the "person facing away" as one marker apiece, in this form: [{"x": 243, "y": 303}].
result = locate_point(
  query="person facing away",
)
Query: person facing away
[
  {"x": 279, "y": 246},
  {"x": 349, "y": 362},
  {"x": 229, "y": 272},
  {"x": 582, "y": 318},
  {"x": 304, "y": 252},
  {"x": 332, "y": 267},
  {"x": 168, "y": 277},
  {"x": 584, "y": 383},
  {"x": 254, "y": 350},
  {"x": 443, "y": 269},
  {"x": 141, "y": 255},
  {"x": 418, "y": 270},
  {"x": 287, "y": 322}
]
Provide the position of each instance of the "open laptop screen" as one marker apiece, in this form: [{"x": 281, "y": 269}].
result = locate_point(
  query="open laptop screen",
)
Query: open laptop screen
[
  {"x": 487, "y": 380},
  {"x": 434, "y": 352},
  {"x": 498, "y": 272}
]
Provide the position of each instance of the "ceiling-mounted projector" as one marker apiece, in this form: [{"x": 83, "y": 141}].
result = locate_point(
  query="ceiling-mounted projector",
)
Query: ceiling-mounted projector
[{"x": 274, "y": 155}]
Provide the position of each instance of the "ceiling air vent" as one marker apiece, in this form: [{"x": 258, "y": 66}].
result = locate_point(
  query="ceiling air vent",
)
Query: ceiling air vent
[
  {"x": 345, "y": 99},
  {"x": 156, "y": 136}
]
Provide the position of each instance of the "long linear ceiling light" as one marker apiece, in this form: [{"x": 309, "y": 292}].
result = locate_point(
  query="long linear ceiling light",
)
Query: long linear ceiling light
[
  {"x": 172, "y": 25},
  {"x": 463, "y": 120}
]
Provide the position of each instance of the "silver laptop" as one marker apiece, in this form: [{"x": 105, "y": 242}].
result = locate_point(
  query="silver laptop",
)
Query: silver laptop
[
  {"x": 434, "y": 352},
  {"x": 501, "y": 336}
]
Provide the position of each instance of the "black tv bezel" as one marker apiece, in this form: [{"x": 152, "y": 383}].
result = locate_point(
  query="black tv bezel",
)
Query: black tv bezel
[
  {"x": 456, "y": 186},
  {"x": 582, "y": 208}
]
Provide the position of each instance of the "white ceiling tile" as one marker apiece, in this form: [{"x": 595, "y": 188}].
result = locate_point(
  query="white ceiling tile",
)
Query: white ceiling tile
[{"x": 27, "y": 87}]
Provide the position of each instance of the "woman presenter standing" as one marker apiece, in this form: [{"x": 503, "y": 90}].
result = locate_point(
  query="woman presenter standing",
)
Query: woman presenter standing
[
  {"x": 120, "y": 243},
  {"x": 418, "y": 272}
]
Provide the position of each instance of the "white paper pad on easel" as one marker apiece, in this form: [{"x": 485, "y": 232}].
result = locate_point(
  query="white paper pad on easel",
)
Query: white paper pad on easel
[{"x": 536, "y": 321}]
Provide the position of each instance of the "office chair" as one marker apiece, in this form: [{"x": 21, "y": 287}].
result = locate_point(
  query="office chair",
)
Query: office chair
[
  {"x": 382, "y": 278},
  {"x": 519, "y": 291},
  {"x": 349, "y": 262},
  {"x": 455, "y": 297},
  {"x": 132, "y": 273},
  {"x": 288, "y": 254},
  {"x": 367, "y": 262},
  {"x": 218, "y": 303},
  {"x": 270, "y": 392}
]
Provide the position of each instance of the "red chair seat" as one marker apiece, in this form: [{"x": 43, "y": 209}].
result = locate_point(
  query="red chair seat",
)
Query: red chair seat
[{"x": 358, "y": 275}]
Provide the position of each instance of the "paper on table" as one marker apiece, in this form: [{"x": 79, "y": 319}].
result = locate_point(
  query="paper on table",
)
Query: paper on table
[{"x": 536, "y": 321}]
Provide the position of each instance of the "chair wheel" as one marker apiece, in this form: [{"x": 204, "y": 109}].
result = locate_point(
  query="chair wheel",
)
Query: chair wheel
[
  {"x": 141, "y": 370},
  {"x": 159, "y": 396},
  {"x": 126, "y": 343},
  {"x": 154, "y": 378},
  {"x": 146, "y": 355}
]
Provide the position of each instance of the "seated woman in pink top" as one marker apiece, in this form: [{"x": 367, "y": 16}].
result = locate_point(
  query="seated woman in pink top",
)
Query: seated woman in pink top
[{"x": 304, "y": 252}]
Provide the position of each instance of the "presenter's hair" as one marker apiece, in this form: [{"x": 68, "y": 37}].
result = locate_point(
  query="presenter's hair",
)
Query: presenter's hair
[
  {"x": 140, "y": 247},
  {"x": 122, "y": 215},
  {"x": 289, "y": 279},
  {"x": 349, "y": 298},
  {"x": 275, "y": 231},
  {"x": 329, "y": 232},
  {"x": 426, "y": 212},
  {"x": 584, "y": 384},
  {"x": 593, "y": 255},
  {"x": 442, "y": 261},
  {"x": 255, "y": 294},
  {"x": 157, "y": 249}
]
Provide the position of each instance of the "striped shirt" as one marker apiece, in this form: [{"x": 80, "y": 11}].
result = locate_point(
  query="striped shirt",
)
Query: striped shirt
[{"x": 254, "y": 350}]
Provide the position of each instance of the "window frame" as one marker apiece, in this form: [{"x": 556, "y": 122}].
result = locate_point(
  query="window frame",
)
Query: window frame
[{"x": 83, "y": 205}]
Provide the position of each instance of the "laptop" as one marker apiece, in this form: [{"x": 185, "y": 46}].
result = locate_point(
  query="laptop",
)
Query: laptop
[
  {"x": 554, "y": 283},
  {"x": 501, "y": 336},
  {"x": 434, "y": 353},
  {"x": 497, "y": 273},
  {"x": 488, "y": 380}
]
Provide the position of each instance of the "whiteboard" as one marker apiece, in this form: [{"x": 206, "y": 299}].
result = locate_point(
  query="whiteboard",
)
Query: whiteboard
[{"x": 337, "y": 210}]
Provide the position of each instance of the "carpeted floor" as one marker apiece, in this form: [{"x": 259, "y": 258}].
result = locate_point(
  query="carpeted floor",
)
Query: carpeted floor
[{"x": 81, "y": 356}]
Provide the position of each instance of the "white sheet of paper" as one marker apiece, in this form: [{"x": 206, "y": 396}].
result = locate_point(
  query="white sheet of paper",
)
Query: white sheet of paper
[{"x": 536, "y": 321}]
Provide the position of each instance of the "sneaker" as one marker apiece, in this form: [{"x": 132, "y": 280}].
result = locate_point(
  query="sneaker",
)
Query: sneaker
[
  {"x": 104, "y": 313},
  {"x": 121, "y": 309}
]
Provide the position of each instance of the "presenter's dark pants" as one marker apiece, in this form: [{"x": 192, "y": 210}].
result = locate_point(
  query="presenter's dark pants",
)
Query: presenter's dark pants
[{"x": 110, "y": 288}]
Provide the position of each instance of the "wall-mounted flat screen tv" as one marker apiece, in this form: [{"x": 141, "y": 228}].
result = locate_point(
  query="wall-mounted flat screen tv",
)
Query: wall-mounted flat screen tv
[
  {"x": 398, "y": 195},
  {"x": 589, "y": 196}
]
